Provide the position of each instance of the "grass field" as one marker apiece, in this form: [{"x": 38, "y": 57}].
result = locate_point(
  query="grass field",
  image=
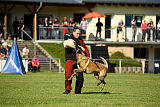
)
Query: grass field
[{"x": 44, "y": 89}]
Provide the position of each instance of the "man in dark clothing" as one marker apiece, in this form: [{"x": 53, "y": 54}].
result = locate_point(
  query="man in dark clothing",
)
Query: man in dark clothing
[
  {"x": 15, "y": 27},
  {"x": 56, "y": 25},
  {"x": 45, "y": 30},
  {"x": 99, "y": 25},
  {"x": 134, "y": 30},
  {"x": 65, "y": 24},
  {"x": 71, "y": 25},
  {"x": 21, "y": 27},
  {"x": 70, "y": 55}
]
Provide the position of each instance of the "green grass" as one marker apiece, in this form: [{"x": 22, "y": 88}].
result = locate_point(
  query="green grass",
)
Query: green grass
[
  {"x": 55, "y": 50},
  {"x": 44, "y": 89}
]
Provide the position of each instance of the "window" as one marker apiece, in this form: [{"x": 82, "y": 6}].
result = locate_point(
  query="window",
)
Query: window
[
  {"x": 140, "y": 52},
  {"x": 108, "y": 26},
  {"x": 128, "y": 20},
  {"x": 78, "y": 17}
]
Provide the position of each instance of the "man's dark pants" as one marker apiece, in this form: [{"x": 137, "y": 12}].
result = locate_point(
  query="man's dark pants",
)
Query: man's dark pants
[{"x": 70, "y": 66}]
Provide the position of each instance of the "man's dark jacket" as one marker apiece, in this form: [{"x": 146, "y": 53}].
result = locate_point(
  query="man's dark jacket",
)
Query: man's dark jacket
[{"x": 70, "y": 54}]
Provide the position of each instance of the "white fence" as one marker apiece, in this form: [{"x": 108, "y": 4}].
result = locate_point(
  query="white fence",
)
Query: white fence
[
  {"x": 146, "y": 66},
  {"x": 3, "y": 61},
  {"x": 110, "y": 34},
  {"x": 57, "y": 62}
]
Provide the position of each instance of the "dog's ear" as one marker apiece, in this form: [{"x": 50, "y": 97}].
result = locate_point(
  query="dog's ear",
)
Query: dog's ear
[
  {"x": 79, "y": 51},
  {"x": 83, "y": 53}
]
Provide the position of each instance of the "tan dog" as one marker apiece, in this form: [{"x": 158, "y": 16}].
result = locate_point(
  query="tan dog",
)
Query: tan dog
[{"x": 88, "y": 66}]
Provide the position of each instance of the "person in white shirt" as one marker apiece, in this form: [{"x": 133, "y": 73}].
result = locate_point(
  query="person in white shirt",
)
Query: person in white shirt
[
  {"x": 84, "y": 25},
  {"x": 25, "y": 52}
]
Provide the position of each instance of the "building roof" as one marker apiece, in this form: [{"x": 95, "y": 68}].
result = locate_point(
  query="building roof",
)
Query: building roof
[
  {"x": 48, "y": 1},
  {"x": 124, "y": 1},
  {"x": 89, "y": 1}
]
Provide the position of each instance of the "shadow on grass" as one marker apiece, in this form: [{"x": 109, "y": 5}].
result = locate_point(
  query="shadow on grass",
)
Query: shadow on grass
[{"x": 99, "y": 93}]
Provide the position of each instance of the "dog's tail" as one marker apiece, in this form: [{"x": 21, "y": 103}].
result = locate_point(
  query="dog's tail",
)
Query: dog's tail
[{"x": 104, "y": 61}]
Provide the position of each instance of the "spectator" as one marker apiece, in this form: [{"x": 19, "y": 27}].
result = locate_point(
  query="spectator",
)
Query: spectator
[
  {"x": 35, "y": 64},
  {"x": 65, "y": 24},
  {"x": 134, "y": 30},
  {"x": 153, "y": 31},
  {"x": 25, "y": 52},
  {"x": 99, "y": 25},
  {"x": 144, "y": 30},
  {"x": 56, "y": 24},
  {"x": 149, "y": 29},
  {"x": 9, "y": 43},
  {"x": 45, "y": 30},
  {"x": 158, "y": 30},
  {"x": 84, "y": 25},
  {"x": 71, "y": 25},
  {"x": 2, "y": 41},
  {"x": 15, "y": 27},
  {"x": 120, "y": 29},
  {"x": 30, "y": 68},
  {"x": 20, "y": 28},
  {"x": 3, "y": 52},
  {"x": 50, "y": 22}
]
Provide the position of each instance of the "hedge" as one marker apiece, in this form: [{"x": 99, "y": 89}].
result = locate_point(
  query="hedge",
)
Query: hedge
[{"x": 120, "y": 55}]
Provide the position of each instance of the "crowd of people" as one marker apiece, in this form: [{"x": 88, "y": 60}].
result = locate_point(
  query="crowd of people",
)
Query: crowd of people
[
  {"x": 150, "y": 29},
  {"x": 52, "y": 27},
  {"x": 18, "y": 26},
  {"x": 147, "y": 28},
  {"x": 5, "y": 46}
]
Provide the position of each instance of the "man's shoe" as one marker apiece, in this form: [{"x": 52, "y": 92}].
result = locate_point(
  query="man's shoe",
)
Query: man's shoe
[
  {"x": 78, "y": 93},
  {"x": 67, "y": 92}
]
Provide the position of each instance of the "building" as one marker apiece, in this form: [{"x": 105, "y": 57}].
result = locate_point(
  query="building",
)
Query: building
[{"x": 116, "y": 10}]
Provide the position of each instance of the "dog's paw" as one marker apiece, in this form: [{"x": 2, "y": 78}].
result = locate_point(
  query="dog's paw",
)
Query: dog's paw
[
  {"x": 101, "y": 88},
  {"x": 98, "y": 83}
]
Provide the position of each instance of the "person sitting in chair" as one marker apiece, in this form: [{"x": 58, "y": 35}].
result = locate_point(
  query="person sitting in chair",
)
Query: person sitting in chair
[{"x": 35, "y": 64}]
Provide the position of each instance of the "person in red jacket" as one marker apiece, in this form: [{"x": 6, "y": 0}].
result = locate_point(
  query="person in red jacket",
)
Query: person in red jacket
[
  {"x": 35, "y": 64},
  {"x": 70, "y": 56}
]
